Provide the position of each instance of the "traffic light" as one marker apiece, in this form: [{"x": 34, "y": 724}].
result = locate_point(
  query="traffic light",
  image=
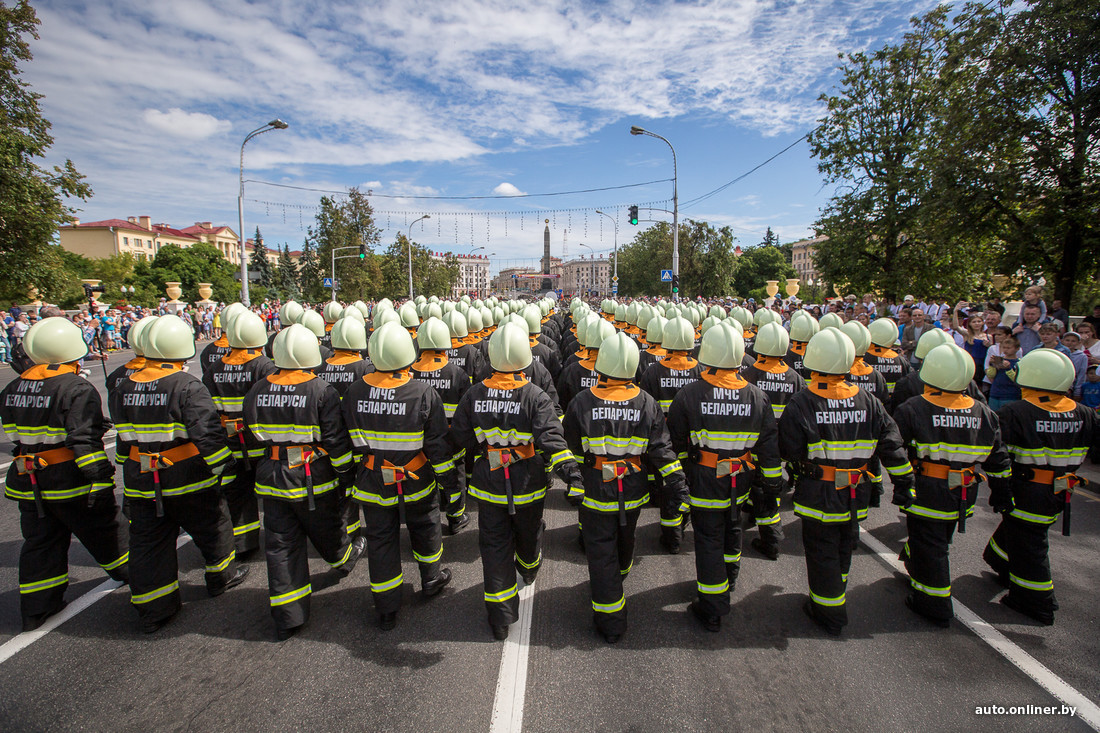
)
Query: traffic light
[
  {"x": 634, "y": 215},
  {"x": 362, "y": 250},
  {"x": 675, "y": 283}
]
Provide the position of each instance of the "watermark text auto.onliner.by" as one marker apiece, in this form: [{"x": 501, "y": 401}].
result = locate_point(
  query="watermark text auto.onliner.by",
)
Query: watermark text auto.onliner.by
[{"x": 1025, "y": 710}]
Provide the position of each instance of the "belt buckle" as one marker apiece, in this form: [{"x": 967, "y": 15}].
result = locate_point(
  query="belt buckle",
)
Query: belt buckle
[
  {"x": 499, "y": 458},
  {"x": 148, "y": 462},
  {"x": 843, "y": 483},
  {"x": 295, "y": 456},
  {"x": 728, "y": 467},
  {"x": 232, "y": 427},
  {"x": 392, "y": 475}
]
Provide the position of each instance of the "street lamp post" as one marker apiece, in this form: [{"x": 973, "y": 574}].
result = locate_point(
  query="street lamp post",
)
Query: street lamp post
[
  {"x": 591, "y": 267},
  {"x": 615, "y": 278},
  {"x": 408, "y": 240},
  {"x": 275, "y": 124},
  {"x": 635, "y": 130}
]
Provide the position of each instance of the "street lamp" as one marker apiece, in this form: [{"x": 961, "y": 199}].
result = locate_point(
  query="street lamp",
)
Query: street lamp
[
  {"x": 408, "y": 240},
  {"x": 275, "y": 124},
  {"x": 591, "y": 267},
  {"x": 615, "y": 279},
  {"x": 635, "y": 130}
]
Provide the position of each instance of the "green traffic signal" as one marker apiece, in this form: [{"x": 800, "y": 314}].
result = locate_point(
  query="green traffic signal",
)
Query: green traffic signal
[
  {"x": 634, "y": 215},
  {"x": 362, "y": 256}
]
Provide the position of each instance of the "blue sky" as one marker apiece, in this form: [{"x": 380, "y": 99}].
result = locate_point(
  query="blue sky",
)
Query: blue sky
[{"x": 461, "y": 98}]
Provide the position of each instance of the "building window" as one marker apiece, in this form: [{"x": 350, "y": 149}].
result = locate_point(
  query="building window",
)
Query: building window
[{"x": 126, "y": 241}]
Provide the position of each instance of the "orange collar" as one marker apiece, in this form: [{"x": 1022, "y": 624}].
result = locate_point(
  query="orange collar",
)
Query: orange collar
[
  {"x": 430, "y": 361},
  {"x": 388, "y": 380},
  {"x": 328, "y": 327},
  {"x": 412, "y": 332},
  {"x": 724, "y": 378},
  {"x": 590, "y": 364},
  {"x": 473, "y": 339},
  {"x": 45, "y": 371},
  {"x": 222, "y": 341},
  {"x": 657, "y": 350},
  {"x": 155, "y": 370},
  {"x": 679, "y": 360},
  {"x": 291, "y": 376},
  {"x": 614, "y": 390},
  {"x": 831, "y": 386},
  {"x": 947, "y": 400},
  {"x": 749, "y": 334},
  {"x": 343, "y": 356},
  {"x": 533, "y": 340},
  {"x": 586, "y": 353},
  {"x": 505, "y": 380},
  {"x": 138, "y": 362},
  {"x": 458, "y": 343},
  {"x": 1049, "y": 401},
  {"x": 241, "y": 356},
  {"x": 860, "y": 368},
  {"x": 882, "y": 352},
  {"x": 771, "y": 364},
  {"x": 798, "y": 347}
]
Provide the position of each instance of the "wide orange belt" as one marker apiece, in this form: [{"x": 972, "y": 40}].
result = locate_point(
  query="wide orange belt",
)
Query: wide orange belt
[
  {"x": 163, "y": 459},
  {"x": 502, "y": 457},
  {"x": 1060, "y": 482},
  {"x": 613, "y": 468},
  {"x": 393, "y": 473},
  {"x": 301, "y": 455},
  {"x": 955, "y": 476},
  {"x": 30, "y": 462},
  {"x": 730, "y": 466},
  {"x": 849, "y": 476}
]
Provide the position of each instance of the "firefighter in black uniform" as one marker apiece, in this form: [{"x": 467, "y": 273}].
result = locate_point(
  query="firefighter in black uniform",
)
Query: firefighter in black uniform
[
  {"x": 546, "y": 355},
  {"x": 219, "y": 347},
  {"x": 911, "y": 386},
  {"x": 662, "y": 380},
  {"x": 60, "y": 474},
  {"x": 654, "y": 351},
  {"x": 302, "y": 475},
  {"x": 833, "y": 428},
  {"x": 511, "y": 425},
  {"x": 315, "y": 322},
  {"x": 1047, "y": 436},
  {"x": 869, "y": 380},
  {"x": 803, "y": 327},
  {"x": 947, "y": 434},
  {"x": 462, "y": 354},
  {"x": 289, "y": 314},
  {"x": 450, "y": 382},
  {"x": 881, "y": 355},
  {"x": 228, "y": 381},
  {"x": 331, "y": 314},
  {"x": 725, "y": 435},
  {"x": 780, "y": 383},
  {"x": 138, "y": 362},
  {"x": 620, "y": 432},
  {"x": 581, "y": 375},
  {"x": 400, "y": 434},
  {"x": 346, "y": 366},
  {"x": 169, "y": 431}
]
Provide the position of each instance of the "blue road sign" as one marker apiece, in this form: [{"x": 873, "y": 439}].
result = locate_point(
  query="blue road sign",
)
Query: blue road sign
[
  {"x": 614, "y": 289},
  {"x": 666, "y": 276},
  {"x": 327, "y": 282}
]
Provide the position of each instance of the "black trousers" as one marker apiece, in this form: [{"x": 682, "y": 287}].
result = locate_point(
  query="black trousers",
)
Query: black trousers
[
  {"x": 244, "y": 509},
  {"x": 828, "y": 547},
  {"x": 455, "y": 504},
  {"x": 717, "y": 557},
  {"x": 1018, "y": 551},
  {"x": 154, "y": 564},
  {"x": 382, "y": 527},
  {"x": 287, "y": 526},
  {"x": 926, "y": 558},
  {"x": 609, "y": 548},
  {"x": 44, "y": 558},
  {"x": 672, "y": 521},
  {"x": 764, "y": 512},
  {"x": 508, "y": 543}
]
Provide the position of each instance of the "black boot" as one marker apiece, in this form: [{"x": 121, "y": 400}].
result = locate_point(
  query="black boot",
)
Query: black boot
[
  {"x": 500, "y": 631},
  {"x": 830, "y": 629},
  {"x": 455, "y": 524},
  {"x": 237, "y": 579},
  {"x": 710, "y": 623},
  {"x": 151, "y": 627},
  {"x": 358, "y": 545},
  {"x": 769, "y": 551},
  {"x": 433, "y": 587},
  {"x": 387, "y": 621},
  {"x": 30, "y": 623}
]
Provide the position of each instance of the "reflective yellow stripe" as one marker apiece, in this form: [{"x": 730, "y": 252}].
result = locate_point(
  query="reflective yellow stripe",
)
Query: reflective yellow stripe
[
  {"x": 613, "y": 506},
  {"x": 502, "y": 499},
  {"x": 931, "y": 590},
  {"x": 669, "y": 468},
  {"x": 732, "y": 558},
  {"x": 117, "y": 563},
  {"x": 774, "y": 519},
  {"x": 340, "y": 460},
  {"x": 500, "y": 438},
  {"x": 502, "y": 596},
  {"x": 767, "y": 472},
  {"x": 839, "y": 450},
  {"x": 1054, "y": 457},
  {"x": 1039, "y": 585},
  {"x": 388, "y": 585},
  {"x": 429, "y": 558},
  {"x": 902, "y": 470},
  {"x": 560, "y": 457},
  {"x": 344, "y": 559},
  {"x": 610, "y": 607},
  {"x": 805, "y": 511},
  {"x": 298, "y": 492},
  {"x": 715, "y": 589},
  {"x": 372, "y": 498},
  {"x": 155, "y": 594},
  {"x": 223, "y": 564},
  {"x": 628, "y": 568},
  {"x": 709, "y": 503},
  {"x": 135, "y": 493},
  {"x": 246, "y": 528},
  {"x": 1035, "y": 518},
  {"x": 823, "y": 601},
  {"x": 219, "y": 455},
  {"x": 720, "y": 440},
  {"x": 294, "y": 595},
  {"x": 603, "y": 445},
  {"x": 90, "y": 458},
  {"x": 46, "y": 584},
  {"x": 529, "y": 565},
  {"x": 675, "y": 522},
  {"x": 923, "y": 511},
  {"x": 997, "y": 550}
]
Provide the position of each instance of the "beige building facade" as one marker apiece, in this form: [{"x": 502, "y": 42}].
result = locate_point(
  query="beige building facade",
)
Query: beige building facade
[
  {"x": 139, "y": 237},
  {"x": 802, "y": 259},
  {"x": 586, "y": 274}
]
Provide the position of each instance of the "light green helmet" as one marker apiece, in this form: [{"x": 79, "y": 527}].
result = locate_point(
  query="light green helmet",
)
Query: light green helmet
[
  {"x": 456, "y": 323},
  {"x": 433, "y": 334},
  {"x": 545, "y": 306},
  {"x": 465, "y": 299},
  {"x": 384, "y": 316},
  {"x": 409, "y": 317},
  {"x": 718, "y": 312},
  {"x": 478, "y": 303},
  {"x": 860, "y": 336},
  {"x": 678, "y": 335},
  {"x": 332, "y": 311},
  {"x": 655, "y": 330},
  {"x": 1047, "y": 369},
  {"x": 433, "y": 299},
  {"x": 312, "y": 320},
  {"x": 533, "y": 317},
  {"x": 708, "y": 323},
  {"x": 421, "y": 310},
  {"x": 772, "y": 340},
  {"x": 462, "y": 307},
  {"x": 735, "y": 325},
  {"x": 136, "y": 335},
  {"x": 618, "y": 357},
  {"x": 447, "y": 306},
  {"x": 391, "y": 348},
  {"x": 57, "y": 340},
  {"x": 363, "y": 308},
  {"x": 607, "y": 306},
  {"x": 230, "y": 312},
  {"x": 829, "y": 352},
  {"x": 170, "y": 339},
  {"x": 691, "y": 315},
  {"x": 290, "y": 313},
  {"x": 498, "y": 314},
  {"x": 296, "y": 347},
  {"x": 722, "y": 348},
  {"x": 632, "y": 314},
  {"x": 473, "y": 321},
  {"x": 582, "y": 327},
  {"x": 510, "y": 348},
  {"x": 742, "y": 316},
  {"x": 419, "y": 299},
  {"x": 831, "y": 320},
  {"x": 598, "y": 331},
  {"x": 246, "y": 331},
  {"x": 349, "y": 334},
  {"x": 433, "y": 311},
  {"x": 765, "y": 316},
  {"x": 930, "y": 340},
  {"x": 486, "y": 316},
  {"x": 620, "y": 313},
  {"x": 353, "y": 313},
  {"x": 802, "y": 329},
  {"x": 884, "y": 332},
  {"x": 385, "y": 303},
  {"x": 947, "y": 367}
]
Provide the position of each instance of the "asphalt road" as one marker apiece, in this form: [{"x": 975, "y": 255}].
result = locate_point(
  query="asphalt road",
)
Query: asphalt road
[{"x": 217, "y": 667}]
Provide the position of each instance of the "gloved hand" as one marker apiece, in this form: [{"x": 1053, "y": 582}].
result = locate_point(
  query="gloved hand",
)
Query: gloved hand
[
  {"x": 903, "y": 491},
  {"x": 99, "y": 472},
  {"x": 771, "y": 488},
  {"x": 677, "y": 493},
  {"x": 1000, "y": 496},
  {"x": 225, "y": 468}
]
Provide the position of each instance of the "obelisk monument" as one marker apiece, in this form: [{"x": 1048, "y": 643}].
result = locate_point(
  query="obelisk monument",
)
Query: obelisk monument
[{"x": 546, "y": 284}]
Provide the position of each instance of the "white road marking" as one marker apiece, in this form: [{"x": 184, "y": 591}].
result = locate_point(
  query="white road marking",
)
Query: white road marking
[
  {"x": 512, "y": 677},
  {"x": 20, "y": 642},
  {"x": 1087, "y": 710},
  {"x": 106, "y": 447}
]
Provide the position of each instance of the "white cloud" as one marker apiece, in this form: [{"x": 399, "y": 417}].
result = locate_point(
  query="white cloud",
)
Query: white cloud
[
  {"x": 188, "y": 125},
  {"x": 507, "y": 189}
]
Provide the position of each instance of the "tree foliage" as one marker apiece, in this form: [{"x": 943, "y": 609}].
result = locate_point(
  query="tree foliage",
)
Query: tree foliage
[
  {"x": 430, "y": 276},
  {"x": 309, "y": 274},
  {"x": 707, "y": 260},
  {"x": 31, "y": 197},
  {"x": 348, "y": 222},
  {"x": 200, "y": 263},
  {"x": 759, "y": 264},
  {"x": 259, "y": 263},
  {"x": 286, "y": 276}
]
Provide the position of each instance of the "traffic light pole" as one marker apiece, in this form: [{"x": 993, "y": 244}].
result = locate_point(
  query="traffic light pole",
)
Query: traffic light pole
[
  {"x": 635, "y": 130},
  {"x": 341, "y": 257}
]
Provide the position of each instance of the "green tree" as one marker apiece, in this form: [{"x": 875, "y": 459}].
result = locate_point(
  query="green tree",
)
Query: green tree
[
  {"x": 430, "y": 276},
  {"x": 759, "y": 264},
  {"x": 31, "y": 197},
  {"x": 286, "y": 276},
  {"x": 707, "y": 260},
  {"x": 348, "y": 222},
  {"x": 189, "y": 266},
  {"x": 771, "y": 239},
  {"x": 310, "y": 276},
  {"x": 259, "y": 263}
]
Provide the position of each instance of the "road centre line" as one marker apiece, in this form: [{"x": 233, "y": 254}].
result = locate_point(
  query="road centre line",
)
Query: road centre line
[
  {"x": 512, "y": 677},
  {"x": 1087, "y": 710}
]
